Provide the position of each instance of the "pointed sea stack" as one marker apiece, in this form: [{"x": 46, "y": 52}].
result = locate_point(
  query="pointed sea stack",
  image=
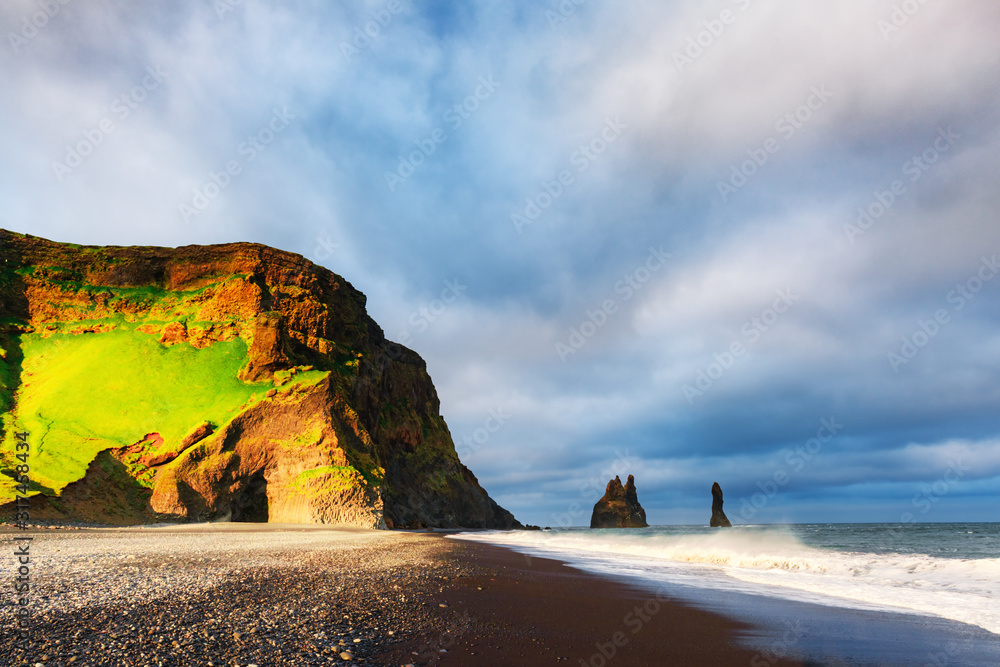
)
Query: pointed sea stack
[
  {"x": 619, "y": 508},
  {"x": 719, "y": 519}
]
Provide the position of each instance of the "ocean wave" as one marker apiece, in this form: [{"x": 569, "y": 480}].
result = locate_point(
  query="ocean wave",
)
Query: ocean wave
[{"x": 775, "y": 562}]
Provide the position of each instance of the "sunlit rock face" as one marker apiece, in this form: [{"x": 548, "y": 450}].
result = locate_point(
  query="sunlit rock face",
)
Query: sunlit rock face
[
  {"x": 619, "y": 508},
  {"x": 228, "y": 382}
]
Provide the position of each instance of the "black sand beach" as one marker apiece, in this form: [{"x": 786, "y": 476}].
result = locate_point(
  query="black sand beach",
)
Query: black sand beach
[
  {"x": 514, "y": 610},
  {"x": 257, "y": 594},
  {"x": 245, "y": 594}
]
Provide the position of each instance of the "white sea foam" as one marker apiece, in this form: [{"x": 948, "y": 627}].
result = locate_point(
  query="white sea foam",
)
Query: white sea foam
[{"x": 775, "y": 562}]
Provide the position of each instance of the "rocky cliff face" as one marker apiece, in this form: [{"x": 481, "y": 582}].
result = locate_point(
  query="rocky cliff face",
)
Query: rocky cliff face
[
  {"x": 719, "y": 518},
  {"x": 619, "y": 508},
  {"x": 219, "y": 382}
]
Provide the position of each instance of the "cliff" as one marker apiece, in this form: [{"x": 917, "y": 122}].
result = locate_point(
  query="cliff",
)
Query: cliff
[
  {"x": 217, "y": 382},
  {"x": 619, "y": 508}
]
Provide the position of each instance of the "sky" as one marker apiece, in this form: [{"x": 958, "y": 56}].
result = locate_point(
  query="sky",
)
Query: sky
[{"x": 732, "y": 241}]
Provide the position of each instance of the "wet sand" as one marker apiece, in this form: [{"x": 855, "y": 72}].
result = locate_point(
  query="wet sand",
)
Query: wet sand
[{"x": 515, "y": 610}]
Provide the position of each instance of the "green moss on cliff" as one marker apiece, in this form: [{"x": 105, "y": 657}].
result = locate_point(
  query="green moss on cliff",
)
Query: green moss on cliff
[
  {"x": 9, "y": 371},
  {"x": 85, "y": 393},
  {"x": 327, "y": 480},
  {"x": 96, "y": 381}
]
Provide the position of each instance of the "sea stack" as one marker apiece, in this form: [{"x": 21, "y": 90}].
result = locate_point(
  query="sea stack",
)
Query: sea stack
[
  {"x": 619, "y": 508},
  {"x": 719, "y": 519}
]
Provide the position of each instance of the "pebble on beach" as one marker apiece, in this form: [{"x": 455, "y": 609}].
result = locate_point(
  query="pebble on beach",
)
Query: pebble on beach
[{"x": 141, "y": 597}]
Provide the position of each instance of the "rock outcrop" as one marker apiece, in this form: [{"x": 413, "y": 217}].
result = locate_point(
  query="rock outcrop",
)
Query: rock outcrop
[
  {"x": 719, "y": 519},
  {"x": 227, "y": 382},
  {"x": 619, "y": 508}
]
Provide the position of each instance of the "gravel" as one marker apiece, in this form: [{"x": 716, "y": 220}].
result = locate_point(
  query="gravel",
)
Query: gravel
[{"x": 236, "y": 595}]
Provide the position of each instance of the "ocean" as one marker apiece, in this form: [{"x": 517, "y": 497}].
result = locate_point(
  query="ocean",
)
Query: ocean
[{"x": 930, "y": 570}]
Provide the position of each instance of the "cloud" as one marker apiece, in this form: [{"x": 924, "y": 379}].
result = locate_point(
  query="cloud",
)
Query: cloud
[{"x": 787, "y": 217}]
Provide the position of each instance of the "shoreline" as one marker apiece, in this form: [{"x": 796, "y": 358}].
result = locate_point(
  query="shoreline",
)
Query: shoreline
[
  {"x": 776, "y": 630},
  {"x": 532, "y": 611},
  {"x": 243, "y": 594}
]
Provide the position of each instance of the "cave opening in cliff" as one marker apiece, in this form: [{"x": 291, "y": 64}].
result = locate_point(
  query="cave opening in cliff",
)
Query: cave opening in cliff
[{"x": 250, "y": 502}]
